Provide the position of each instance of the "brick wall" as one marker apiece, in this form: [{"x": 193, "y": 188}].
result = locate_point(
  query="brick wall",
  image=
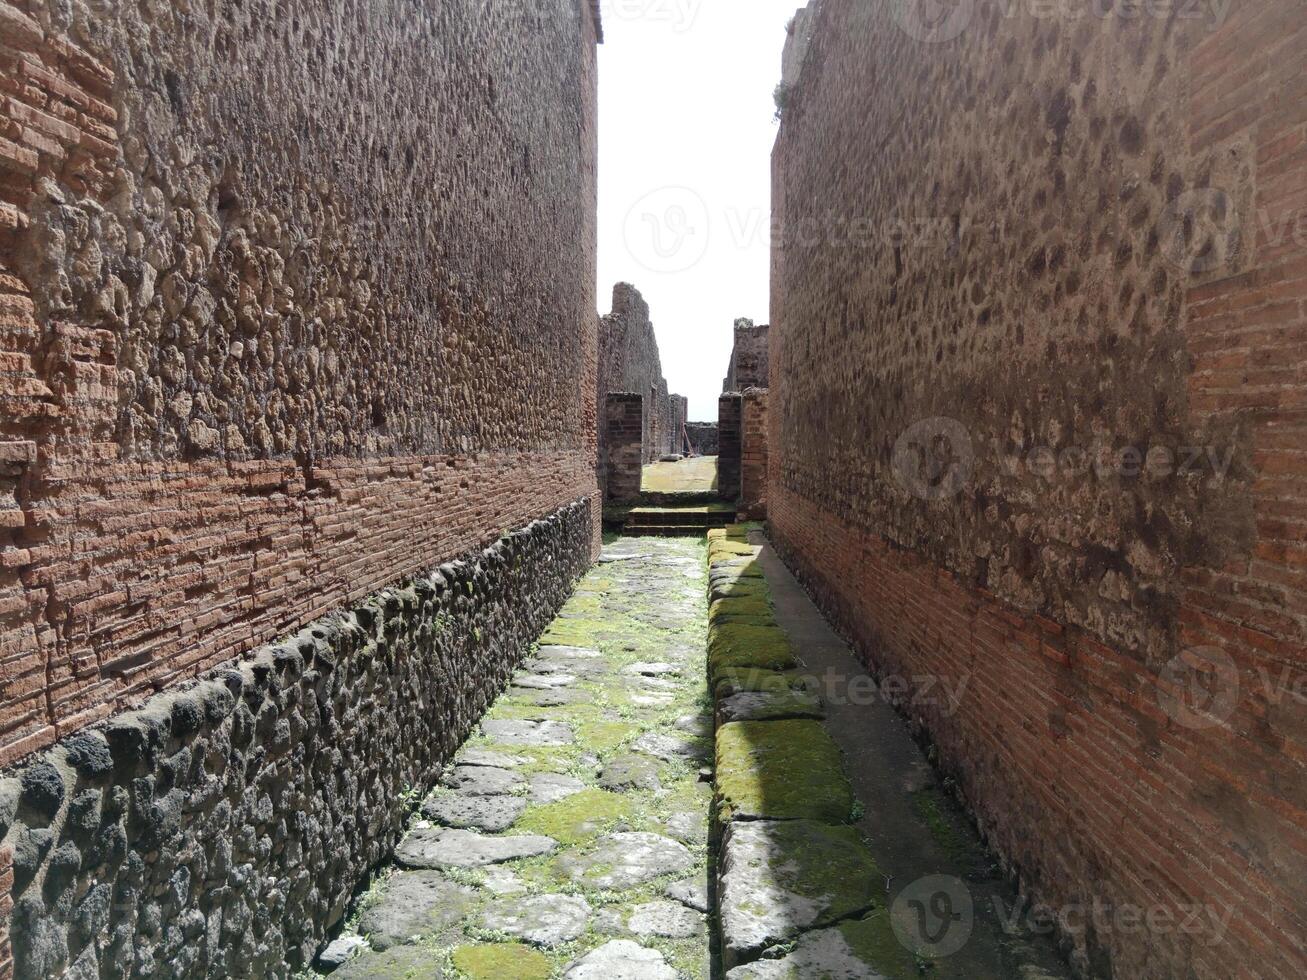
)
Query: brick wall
[
  {"x": 729, "y": 447},
  {"x": 253, "y": 349},
  {"x": 1065, "y": 252},
  {"x": 629, "y": 362},
  {"x": 753, "y": 454},
  {"x": 624, "y": 430}
]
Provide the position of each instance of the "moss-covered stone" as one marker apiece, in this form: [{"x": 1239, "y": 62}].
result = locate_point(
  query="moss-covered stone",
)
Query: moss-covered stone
[
  {"x": 861, "y": 948},
  {"x": 400, "y": 963},
  {"x": 747, "y": 645},
  {"x": 731, "y": 586},
  {"x": 735, "y": 566},
  {"x": 577, "y": 818},
  {"x": 780, "y": 770},
  {"x": 781, "y": 878},
  {"x": 735, "y": 680},
  {"x": 501, "y": 961},
  {"x": 732, "y": 608}
]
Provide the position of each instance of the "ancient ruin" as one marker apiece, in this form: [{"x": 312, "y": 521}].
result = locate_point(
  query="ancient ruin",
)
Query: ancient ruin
[{"x": 370, "y": 607}]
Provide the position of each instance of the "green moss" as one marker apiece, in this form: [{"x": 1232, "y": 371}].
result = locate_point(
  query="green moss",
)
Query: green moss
[
  {"x": 736, "y": 566},
  {"x": 736, "y": 586},
  {"x": 944, "y": 825},
  {"x": 782, "y": 770},
  {"x": 576, "y": 632},
  {"x": 501, "y": 961},
  {"x": 872, "y": 941},
  {"x": 729, "y": 548},
  {"x": 577, "y": 818},
  {"x": 746, "y": 645},
  {"x": 754, "y": 608},
  {"x": 605, "y": 737}
]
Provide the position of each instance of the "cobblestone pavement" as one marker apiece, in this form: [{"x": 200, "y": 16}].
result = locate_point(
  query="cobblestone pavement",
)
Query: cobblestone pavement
[{"x": 569, "y": 838}]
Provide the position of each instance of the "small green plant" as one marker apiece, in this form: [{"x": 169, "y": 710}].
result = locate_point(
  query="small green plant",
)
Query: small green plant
[{"x": 781, "y": 96}]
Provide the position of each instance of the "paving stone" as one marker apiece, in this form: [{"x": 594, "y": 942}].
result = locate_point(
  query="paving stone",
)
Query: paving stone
[
  {"x": 626, "y": 860},
  {"x": 860, "y": 950},
  {"x": 554, "y": 651},
  {"x": 782, "y": 878},
  {"x": 543, "y": 920},
  {"x": 700, "y": 726},
  {"x": 630, "y": 772},
  {"x": 670, "y": 748},
  {"x": 651, "y": 670},
  {"x": 501, "y": 961},
  {"x": 400, "y": 963},
  {"x": 441, "y": 847},
  {"x": 414, "y": 904},
  {"x": 543, "y": 682},
  {"x": 499, "y": 880},
  {"x": 536, "y": 733},
  {"x": 621, "y": 959},
  {"x": 340, "y": 950},
  {"x": 769, "y": 706},
  {"x": 669, "y": 920},
  {"x": 491, "y": 814},
  {"x": 484, "y": 757},
  {"x": 550, "y": 787},
  {"x": 780, "y": 770},
  {"x": 652, "y": 700},
  {"x": 687, "y": 827},
  {"x": 553, "y": 697},
  {"x": 481, "y": 780},
  {"x": 691, "y": 892}
]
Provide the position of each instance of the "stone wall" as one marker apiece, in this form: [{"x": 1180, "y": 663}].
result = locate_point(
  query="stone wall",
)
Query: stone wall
[
  {"x": 254, "y": 347},
  {"x": 748, "y": 367},
  {"x": 753, "y": 455},
  {"x": 220, "y": 830},
  {"x": 680, "y": 412},
  {"x": 624, "y": 424},
  {"x": 1060, "y": 253},
  {"x": 703, "y": 437},
  {"x": 729, "y": 436},
  {"x": 629, "y": 362}
]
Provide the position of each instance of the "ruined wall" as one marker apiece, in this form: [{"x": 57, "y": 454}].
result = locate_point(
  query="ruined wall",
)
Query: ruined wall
[
  {"x": 679, "y": 412},
  {"x": 1037, "y": 423},
  {"x": 703, "y": 437},
  {"x": 254, "y": 346},
  {"x": 748, "y": 366},
  {"x": 754, "y": 432},
  {"x": 729, "y": 448},
  {"x": 221, "y": 830},
  {"x": 296, "y": 301},
  {"x": 629, "y": 362}
]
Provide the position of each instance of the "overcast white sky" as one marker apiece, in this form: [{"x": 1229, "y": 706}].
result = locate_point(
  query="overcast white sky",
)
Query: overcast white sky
[{"x": 685, "y": 138}]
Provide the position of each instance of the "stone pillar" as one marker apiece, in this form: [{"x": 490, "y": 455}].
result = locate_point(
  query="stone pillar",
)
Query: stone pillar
[
  {"x": 753, "y": 455},
  {"x": 728, "y": 445},
  {"x": 624, "y": 441}
]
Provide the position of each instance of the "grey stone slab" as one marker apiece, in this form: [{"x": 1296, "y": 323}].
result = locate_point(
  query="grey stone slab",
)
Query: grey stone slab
[
  {"x": 441, "y": 847},
  {"x": 481, "y": 780},
  {"x": 859, "y": 950},
  {"x": 630, "y": 772},
  {"x": 690, "y": 892},
  {"x": 688, "y": 827},
  {"x": 536, "y": 733},
  {"x": 550, "y": 787},
  {"x": 621, "y": 959},
  {"x": 669, "y": 920},
  {"x": 552, "y": 697},
  {"x": 670, "y": 748},
  {"x": 491, "y": 814},
  {"x": 782, "y": 878},
  {"x": 626, "y": 860},
  {"x": 543, "y": 682},
  {"x": 700, "y": 726},
  {"x": 342, "y": 949},
  {"x": 770, "y": 706},
  {"x": 651, "y": 670},
  {"x": 484, "y": 757},
  {"x": 543, "y": 920},
  {"x": 414, "y": 904}
]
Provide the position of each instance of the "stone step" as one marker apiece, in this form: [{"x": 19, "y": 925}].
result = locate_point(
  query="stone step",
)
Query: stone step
[
  {"x": 665, "y": 530},
  {"x": 684, "y": 516}
]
